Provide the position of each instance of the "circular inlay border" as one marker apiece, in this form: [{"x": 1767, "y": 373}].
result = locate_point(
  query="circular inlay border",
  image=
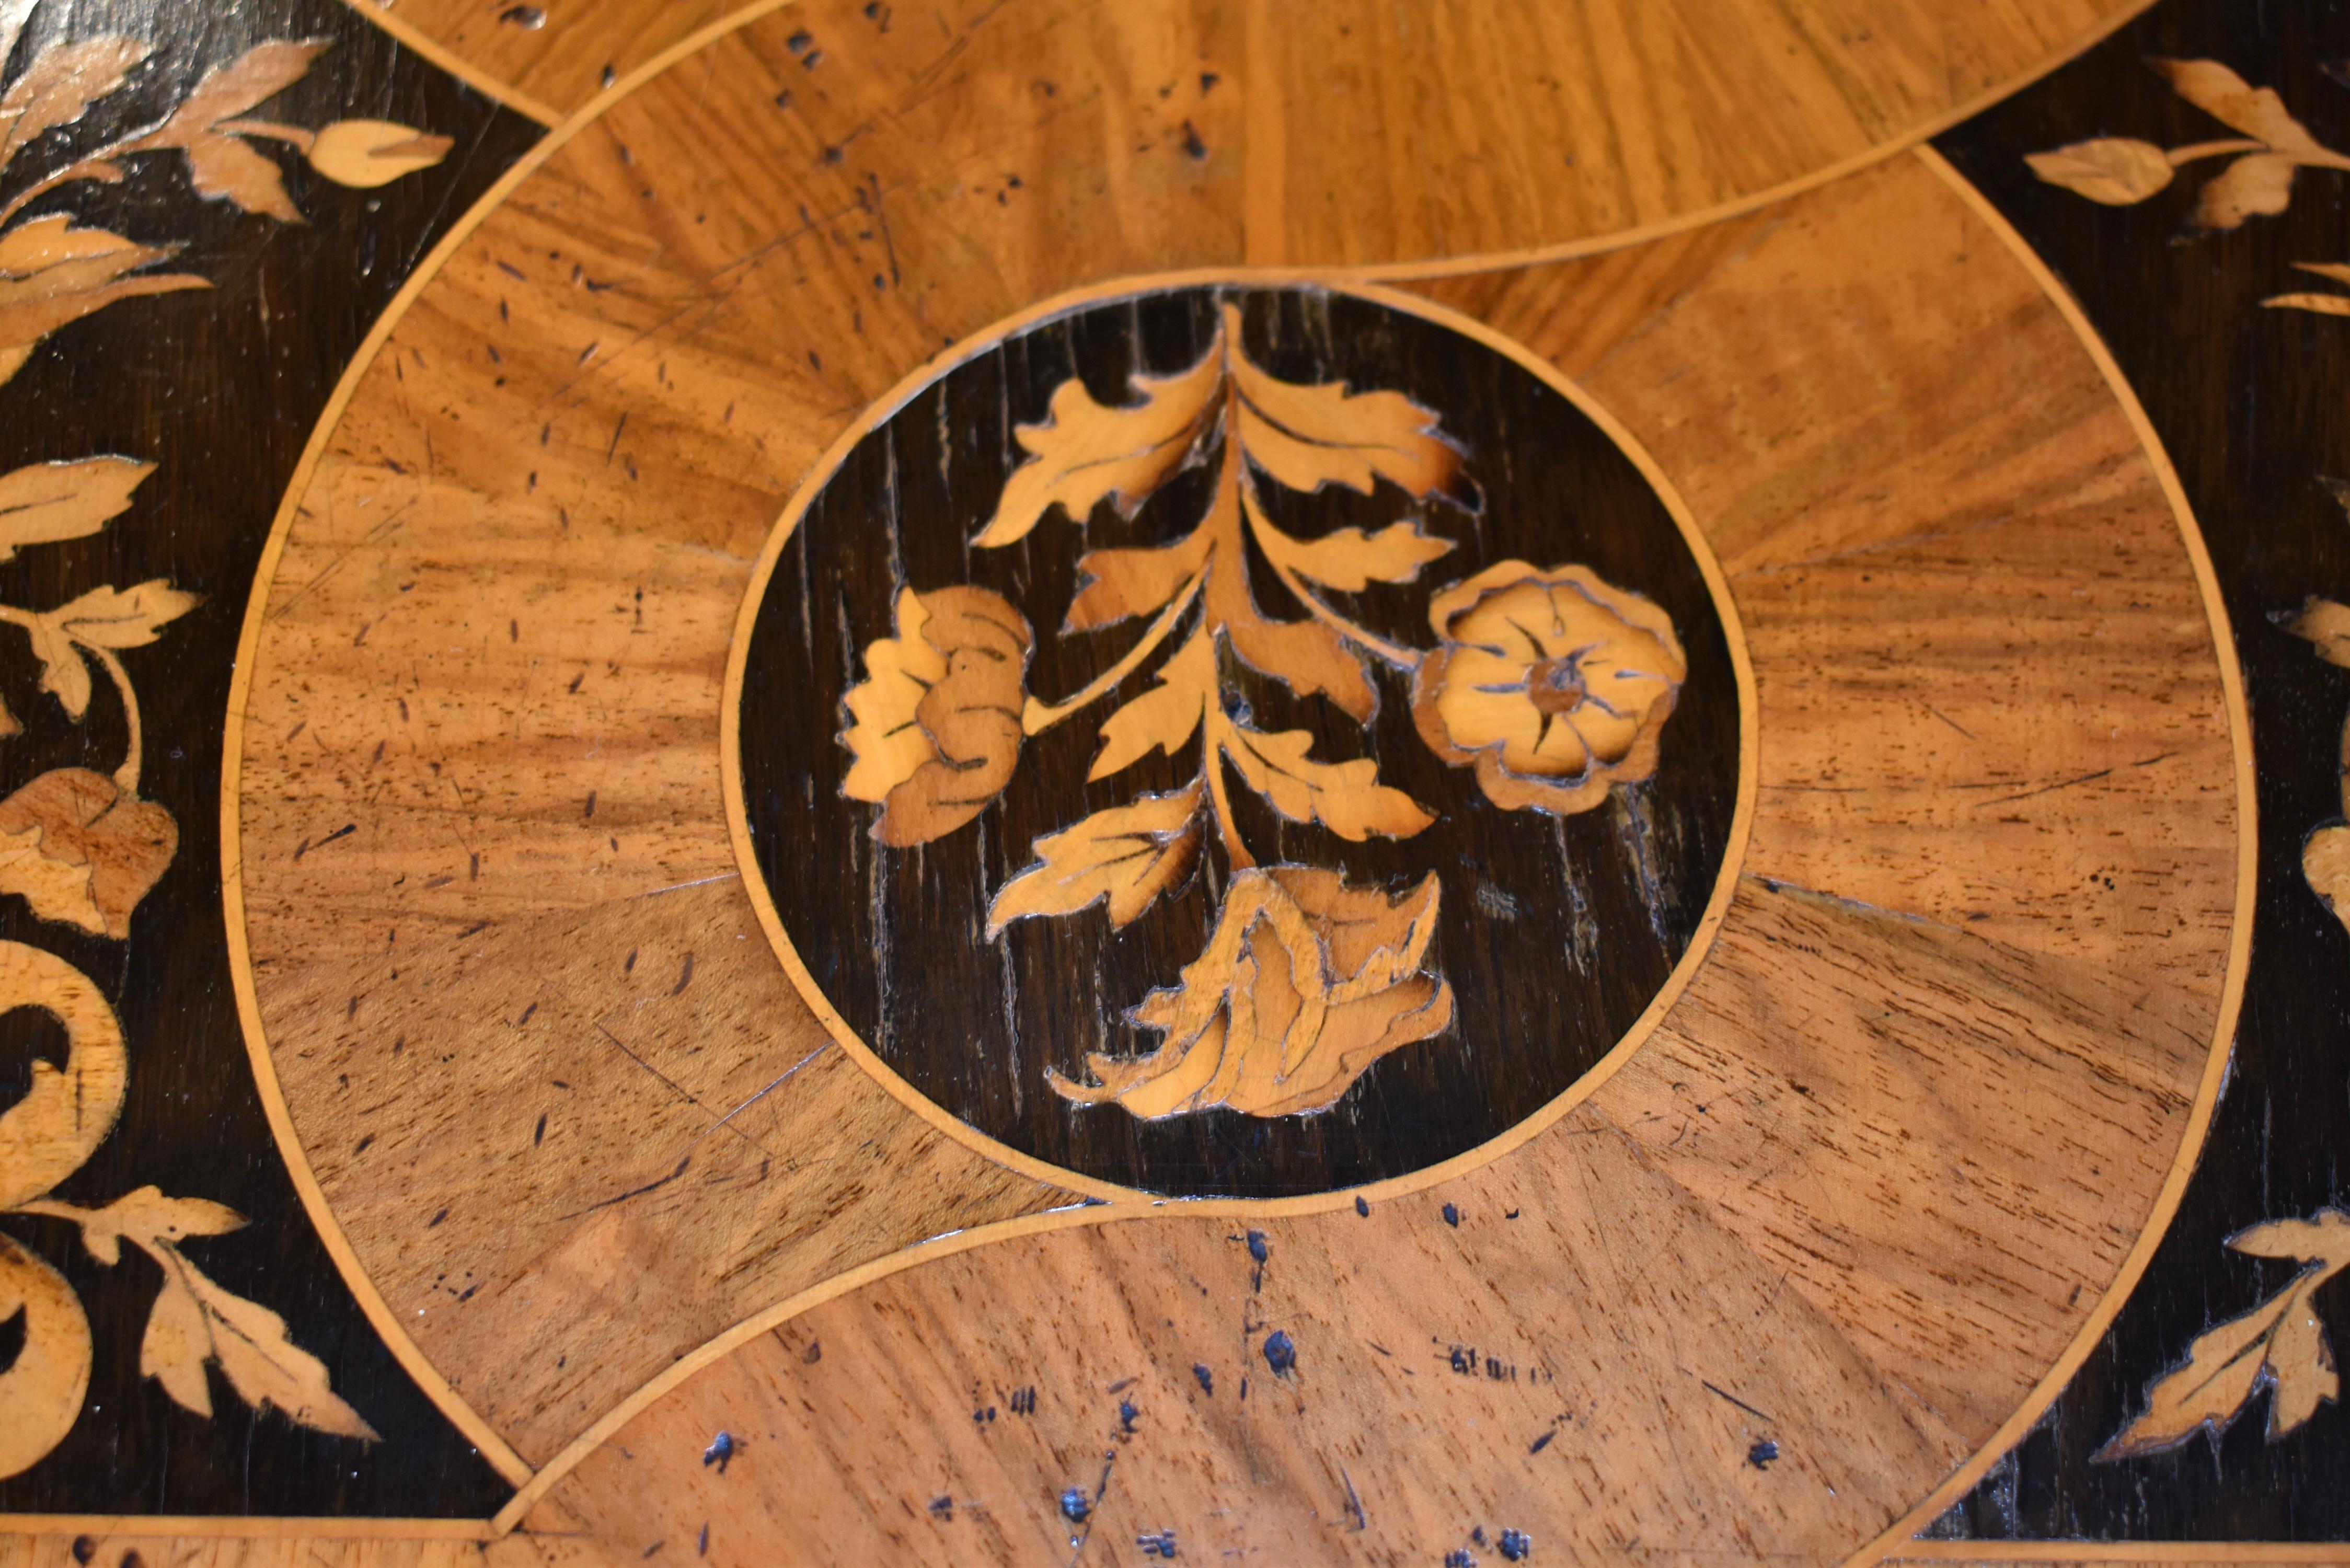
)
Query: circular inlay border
[{"x": 883, "y": 410}]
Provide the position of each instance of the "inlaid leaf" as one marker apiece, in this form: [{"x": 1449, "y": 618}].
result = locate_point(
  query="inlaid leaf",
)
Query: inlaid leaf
[
  {"x": 1350, "y": 561},
  {"x": 82, "y": 851},
  {"x": 2323, "y": 1239},
  {"x": 1128, "y": 855},
  {"x": 1306, "y": 656},
  {"x": 2257, "y": 185},
  {"x": 56, "y": 889},
  {"x": 2222, "y": 1370},
  {"x": 1308, "y": 436},
  {"x": 52, "y": 273},
  {"x": 103, "y": 618},
  {"x": 2234, "y": 102},
  {"x": 146, "y": 1215},
  {"x": 1122, "y": 583},
  {"x": 2280, "y": 1342},
  {"x": 51, "y": 500},
  {"x": 257, "y": 75},
  {"x": 1346, "y": 797},
  {"x": 1086, "y": 453},
  {"x": 61, "y": 83},
  {"x": 1305, "y": 984},
  {"x": 1165, "y": 717},
  {"x": 2115, "y": 170},
  {"x": 2322, "y": 304},
  {"x": 176, "y": 1346},
  {"x": 65, "y": 674},
  {"x": 365, "y": 153},
  {"x": 123, "y": 618},
  {"x": 221, "y": 166},
  {"x": 2300, "y": 1365},
  {"x": 196, "y": 1319}
]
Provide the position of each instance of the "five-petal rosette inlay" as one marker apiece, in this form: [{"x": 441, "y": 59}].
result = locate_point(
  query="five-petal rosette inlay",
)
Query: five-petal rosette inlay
[{"x": 1554, "y": 684}]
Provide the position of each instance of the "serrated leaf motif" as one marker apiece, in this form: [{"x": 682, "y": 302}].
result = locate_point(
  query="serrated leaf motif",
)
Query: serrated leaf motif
[
  {"x": 1350, "y": 560},
  {"x": 122, "y": 618},
  {"x": 1165, "y": 717},
  {"x": 146, "y": 1215},
  {"x": 195, "y": 1321},
  {"x": 103, "y": 618},
  {"x": 1304, "y": 437},
  {"x": 2280, "y": 1344},
  {"x": 1086, "y": 453},
  {"x": 1124, "y": 856},
  {"x": 1346, "y": 797},
  {"x": 1305, "y": 984}
]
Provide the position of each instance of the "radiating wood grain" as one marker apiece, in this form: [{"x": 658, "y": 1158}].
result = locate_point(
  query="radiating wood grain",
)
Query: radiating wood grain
[
  {"x": 496, "y": 630},
  {"x": 1363, "y": 132},
  {"x": 1430, "y": 1360},
  {"x": 1947, "y": 1142},
  {"x": 1926, "y": 1138},
  {"x": 612, "y": 1134},
  {"x": 1984, "y": 666}
]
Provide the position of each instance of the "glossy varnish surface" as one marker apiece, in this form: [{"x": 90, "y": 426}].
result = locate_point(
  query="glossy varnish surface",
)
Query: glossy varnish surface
[{"x": 532, "y": 861}]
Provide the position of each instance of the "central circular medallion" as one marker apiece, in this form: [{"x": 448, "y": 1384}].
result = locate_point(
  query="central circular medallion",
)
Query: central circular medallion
[{"x": 1236, "y": 741}]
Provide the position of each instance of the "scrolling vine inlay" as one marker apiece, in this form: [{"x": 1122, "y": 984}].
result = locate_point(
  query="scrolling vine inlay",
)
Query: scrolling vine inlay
[
  {"x": 1302, "y": 838},
  {"x": 82, "y": 850}
]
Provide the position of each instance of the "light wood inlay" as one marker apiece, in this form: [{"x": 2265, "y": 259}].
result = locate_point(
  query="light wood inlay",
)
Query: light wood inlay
[
  {"x": 1486, "y": 130},
  {"x": 1897, "y": 449},
  {"x": 1861, "y": 1222}
]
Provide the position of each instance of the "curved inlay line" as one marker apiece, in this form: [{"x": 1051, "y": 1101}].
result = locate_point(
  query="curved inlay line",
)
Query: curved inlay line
[{"x": 1897, "y": 1539}]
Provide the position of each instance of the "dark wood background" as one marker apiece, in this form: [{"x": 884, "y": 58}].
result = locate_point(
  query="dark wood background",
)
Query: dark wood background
[
  {"x": 220, "y": 388},
  {"x": 1555, "y": 932},
  {"x": 2254, "y": 407},
  {"x": 223, "y": 393}
]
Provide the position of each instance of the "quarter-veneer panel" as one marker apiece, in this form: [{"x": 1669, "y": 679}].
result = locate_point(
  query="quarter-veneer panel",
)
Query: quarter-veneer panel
[
  {"x": 1365, "y": 133},
  {"x": 1540, "y": 1365},
  {"x": 1988, "y": 686},
  {"x": 1928, "y": 1126}
]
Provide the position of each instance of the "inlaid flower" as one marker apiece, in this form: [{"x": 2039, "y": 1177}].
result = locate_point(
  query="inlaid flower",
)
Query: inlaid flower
[
  {"x": 1556, "y": 684},
  {"x": 1306, "y": 982},
  {"x": 937, "y": 717}
]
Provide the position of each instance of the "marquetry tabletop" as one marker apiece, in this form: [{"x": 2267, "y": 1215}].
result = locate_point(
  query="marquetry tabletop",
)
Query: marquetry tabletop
[{"x": 1007, "y": 782}]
